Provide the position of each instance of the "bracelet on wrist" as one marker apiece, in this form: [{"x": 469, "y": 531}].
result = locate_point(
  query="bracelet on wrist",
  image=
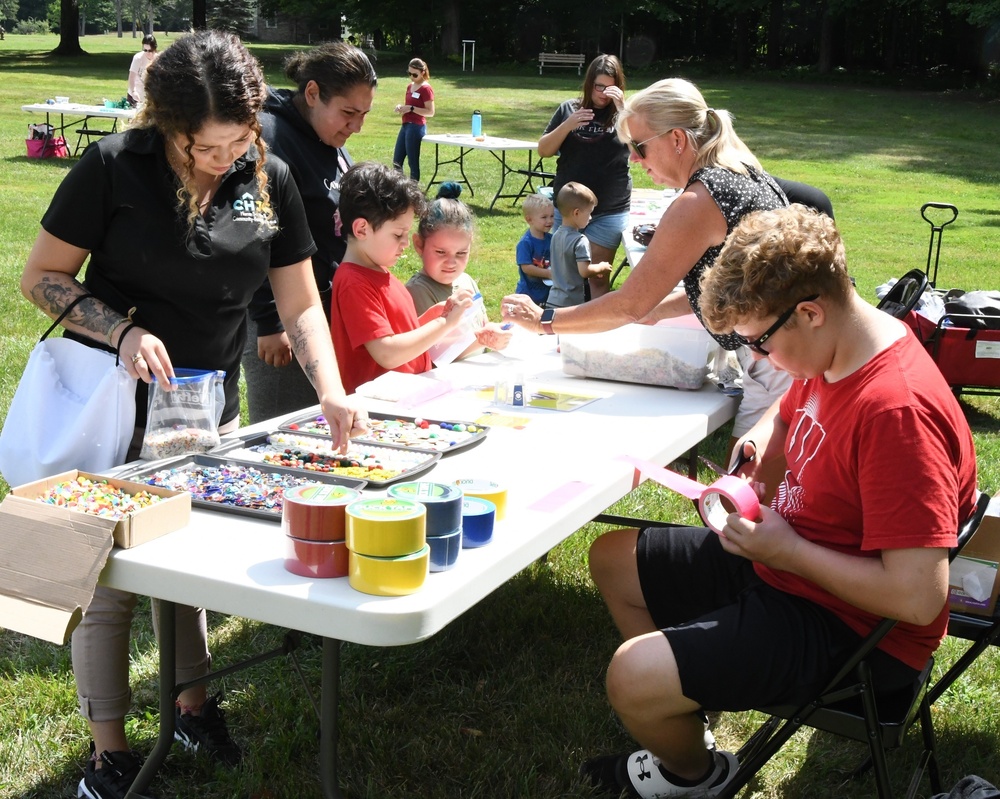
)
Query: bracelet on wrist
[{"x": 119, "y": 323}]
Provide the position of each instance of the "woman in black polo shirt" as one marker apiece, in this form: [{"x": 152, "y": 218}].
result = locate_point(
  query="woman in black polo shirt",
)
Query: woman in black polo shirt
[{"x": 182, "y": 219}]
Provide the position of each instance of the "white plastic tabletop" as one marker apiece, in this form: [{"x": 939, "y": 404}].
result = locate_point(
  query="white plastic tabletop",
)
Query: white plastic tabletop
[
  {"x": 469, "y": 141},
  {"x": 647, "y": 206},
  {"x": 560, "y": 470},
  {"x": 80, "y": 109}
]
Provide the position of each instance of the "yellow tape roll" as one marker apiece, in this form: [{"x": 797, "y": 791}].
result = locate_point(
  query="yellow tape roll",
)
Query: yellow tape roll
[
  {"x": 389, "y": 576},
  {"x": 386, "y": 528},
  {"x": 486, "y": 489}
]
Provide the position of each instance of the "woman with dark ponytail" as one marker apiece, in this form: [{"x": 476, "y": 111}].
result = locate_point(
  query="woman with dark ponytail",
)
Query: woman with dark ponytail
[{"x": 308, "y": 128}]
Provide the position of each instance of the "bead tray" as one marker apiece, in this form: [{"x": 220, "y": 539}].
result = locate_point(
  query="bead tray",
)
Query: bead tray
[
  {"x": 405, "y": 434},
  {"x": 414, "y": 461},
  {"x": 191, "y": 463}
]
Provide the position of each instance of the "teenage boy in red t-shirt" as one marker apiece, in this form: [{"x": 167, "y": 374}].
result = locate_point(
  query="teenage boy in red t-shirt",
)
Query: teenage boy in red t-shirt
[{"x": 880, "y": 471}]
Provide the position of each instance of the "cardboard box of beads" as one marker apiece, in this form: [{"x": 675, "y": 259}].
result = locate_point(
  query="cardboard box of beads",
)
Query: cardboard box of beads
[
  {"x": 133, "y": 512},
  {"x": 56, "y": 535}
]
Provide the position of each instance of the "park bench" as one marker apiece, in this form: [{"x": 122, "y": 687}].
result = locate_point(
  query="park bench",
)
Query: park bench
[{"x": 560, "y": 60}]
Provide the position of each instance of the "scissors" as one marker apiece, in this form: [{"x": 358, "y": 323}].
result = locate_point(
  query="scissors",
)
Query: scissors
[{"x": 740, "y": 461}]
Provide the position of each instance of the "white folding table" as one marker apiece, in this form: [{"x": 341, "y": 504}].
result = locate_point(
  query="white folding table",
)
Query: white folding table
[
  {"x": 80, "y": 116},
  {"x": 498, "y": 147},
  {"x": 240, "y": 565}
]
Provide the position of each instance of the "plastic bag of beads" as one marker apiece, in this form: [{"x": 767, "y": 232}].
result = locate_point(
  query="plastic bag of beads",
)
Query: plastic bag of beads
[{"x": 184, "y": 417}]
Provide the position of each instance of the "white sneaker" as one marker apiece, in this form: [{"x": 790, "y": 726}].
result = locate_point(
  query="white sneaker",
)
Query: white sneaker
[
  {"x": 649, "y": 782},
  {"x": 639, "y": 775}
]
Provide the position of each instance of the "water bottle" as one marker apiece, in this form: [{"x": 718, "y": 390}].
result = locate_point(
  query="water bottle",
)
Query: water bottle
[{"x": 477, "y": 123}]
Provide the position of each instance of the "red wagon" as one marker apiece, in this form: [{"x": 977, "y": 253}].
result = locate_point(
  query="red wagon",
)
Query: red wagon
[{"x": 965, "y": 346}]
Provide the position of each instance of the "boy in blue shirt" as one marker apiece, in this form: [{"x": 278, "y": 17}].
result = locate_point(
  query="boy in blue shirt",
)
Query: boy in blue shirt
[{"x": 534, "y": 277}]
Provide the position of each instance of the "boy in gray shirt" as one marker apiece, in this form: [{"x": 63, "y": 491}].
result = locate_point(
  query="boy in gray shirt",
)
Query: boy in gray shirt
[{"x": 570, "y": 262}]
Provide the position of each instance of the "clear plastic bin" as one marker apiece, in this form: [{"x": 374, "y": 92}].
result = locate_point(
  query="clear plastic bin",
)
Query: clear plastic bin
[{"x": 674, "y": 353}]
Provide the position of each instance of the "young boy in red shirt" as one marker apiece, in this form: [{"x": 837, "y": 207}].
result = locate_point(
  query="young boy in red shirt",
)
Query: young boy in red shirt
[{"x": 375, "y": 326}]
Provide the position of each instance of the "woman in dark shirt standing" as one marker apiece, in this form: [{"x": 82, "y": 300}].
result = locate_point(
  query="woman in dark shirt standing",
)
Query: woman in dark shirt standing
[
  {"x": 582, "y": 132},
  {"x": 308, "y": 128},
  {"x": 190, "y": 182}
]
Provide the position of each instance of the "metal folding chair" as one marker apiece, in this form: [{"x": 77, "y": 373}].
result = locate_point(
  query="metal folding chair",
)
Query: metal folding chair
[{"x": 851, "y": 706}]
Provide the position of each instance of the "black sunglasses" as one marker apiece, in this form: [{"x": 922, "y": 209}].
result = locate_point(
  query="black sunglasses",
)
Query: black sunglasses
[
  {"x": 414, "y": 74},
  {"x": 639, "y": 147},
  {"x": 757, "y": 344}
]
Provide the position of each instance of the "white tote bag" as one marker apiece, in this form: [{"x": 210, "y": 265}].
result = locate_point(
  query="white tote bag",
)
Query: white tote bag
[{"x": 74, "y": 408}]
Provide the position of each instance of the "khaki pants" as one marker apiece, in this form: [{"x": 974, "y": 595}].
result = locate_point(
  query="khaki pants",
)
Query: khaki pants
[
  {"x": 101, "y": 652},
  {"x": 101, "y": 642},
  {"x": 762, "y": 385}
]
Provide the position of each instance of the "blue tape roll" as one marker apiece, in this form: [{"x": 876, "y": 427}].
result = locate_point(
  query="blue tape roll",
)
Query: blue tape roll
[
  {"x": 478, "y": 518},
  {"x": 444, "y": 550},
  {"x": 443, "y": 503}
]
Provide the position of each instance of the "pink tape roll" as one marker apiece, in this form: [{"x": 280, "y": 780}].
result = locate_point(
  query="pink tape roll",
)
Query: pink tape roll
[{"x": 715, "y": 502}]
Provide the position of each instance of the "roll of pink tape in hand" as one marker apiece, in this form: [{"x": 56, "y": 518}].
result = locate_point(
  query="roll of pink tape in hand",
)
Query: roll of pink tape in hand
[{"x": 726, "y": 495}]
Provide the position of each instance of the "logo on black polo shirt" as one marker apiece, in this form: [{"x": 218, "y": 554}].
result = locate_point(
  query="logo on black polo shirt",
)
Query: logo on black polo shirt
[{"x": 252, "y": 209}]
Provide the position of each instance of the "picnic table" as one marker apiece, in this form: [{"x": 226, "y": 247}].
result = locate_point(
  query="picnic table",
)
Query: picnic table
[{"x": 498, "y": 147}]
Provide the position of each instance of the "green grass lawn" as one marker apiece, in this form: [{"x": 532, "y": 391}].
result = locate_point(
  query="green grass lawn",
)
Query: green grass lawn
[{"x": 508, "y": 699}]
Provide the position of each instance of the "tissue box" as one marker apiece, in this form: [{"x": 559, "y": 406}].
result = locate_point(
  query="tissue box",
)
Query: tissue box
[
  {"x": 672, "y": 353},
  {"x": 973, "y": 582}
]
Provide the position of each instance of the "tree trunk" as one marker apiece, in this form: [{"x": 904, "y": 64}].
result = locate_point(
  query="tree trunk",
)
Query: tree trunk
[
  {"x": 742, "y": 41},
  {"x": 826, "y": 41},
  {"x": 450, "y": 33},
  {"x": 199, "y": 15},
  {"x": 69, "y": 29},
  {"x": 891, "y": 42},
  {"x": 775, "y": 24}
]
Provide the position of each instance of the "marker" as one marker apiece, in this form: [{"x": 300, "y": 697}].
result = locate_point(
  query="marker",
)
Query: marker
[{"x": 506, "y": 325}]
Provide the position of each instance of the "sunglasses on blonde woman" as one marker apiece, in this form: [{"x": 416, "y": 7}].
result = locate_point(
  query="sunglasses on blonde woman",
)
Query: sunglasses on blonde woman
[{"x": 639, "y": 147}]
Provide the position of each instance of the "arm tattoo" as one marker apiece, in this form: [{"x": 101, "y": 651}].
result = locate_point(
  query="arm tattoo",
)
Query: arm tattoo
[
  {"x": 299, "y": 339},
  {"x": 92, "y": 315}
]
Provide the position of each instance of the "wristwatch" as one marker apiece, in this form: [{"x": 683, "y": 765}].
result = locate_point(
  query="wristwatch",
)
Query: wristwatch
[
  {"x": 547, "y": 316},
  {"x": 411, "y": 109}
]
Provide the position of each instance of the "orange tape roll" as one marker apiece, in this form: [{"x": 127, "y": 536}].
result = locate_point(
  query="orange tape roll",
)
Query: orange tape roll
[
  {"x": 486, "y": 489},
  {"x": 315, "y": 512}
]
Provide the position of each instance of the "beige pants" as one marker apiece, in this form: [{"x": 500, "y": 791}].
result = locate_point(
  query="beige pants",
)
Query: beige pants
[
  {"x": 762, "y": 385},
  {"x": 101, "y": 644},
  {"x": 101, "y": 652}
]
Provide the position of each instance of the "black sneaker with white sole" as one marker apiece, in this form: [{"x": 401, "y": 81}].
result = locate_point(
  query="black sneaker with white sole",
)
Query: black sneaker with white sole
[
  {"x": 113, "y": 780},
  {"x": 208, "y": 732}
]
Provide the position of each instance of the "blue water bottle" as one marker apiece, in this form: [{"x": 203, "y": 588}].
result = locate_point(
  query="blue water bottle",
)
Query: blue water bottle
[{"x": 477, "y": 123}]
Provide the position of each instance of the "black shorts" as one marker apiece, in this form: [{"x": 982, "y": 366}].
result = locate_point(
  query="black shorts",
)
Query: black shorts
[{"x": 738, "y": 642}]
